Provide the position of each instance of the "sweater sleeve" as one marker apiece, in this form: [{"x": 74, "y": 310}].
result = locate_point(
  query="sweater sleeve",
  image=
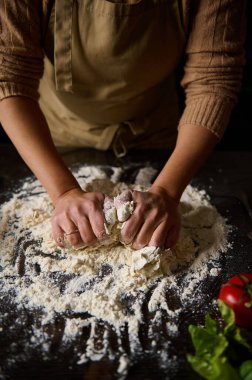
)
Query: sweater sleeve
[
  {"x": 214, "y": 63},
  {"x": 21, "y": 52}
]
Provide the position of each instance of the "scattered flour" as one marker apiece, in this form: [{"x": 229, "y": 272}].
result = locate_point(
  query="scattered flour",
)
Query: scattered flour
[{"x": 108, "y": 289}]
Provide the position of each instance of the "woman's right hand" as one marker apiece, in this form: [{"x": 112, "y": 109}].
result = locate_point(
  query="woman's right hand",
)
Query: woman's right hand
[{"x": 78, "y": 218}]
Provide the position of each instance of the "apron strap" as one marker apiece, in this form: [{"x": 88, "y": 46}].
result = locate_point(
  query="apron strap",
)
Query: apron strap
[{"x": 62, "y": 43}]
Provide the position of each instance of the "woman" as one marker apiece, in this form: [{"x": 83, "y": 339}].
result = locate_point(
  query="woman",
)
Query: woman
[{"x": 107, "y": 70}]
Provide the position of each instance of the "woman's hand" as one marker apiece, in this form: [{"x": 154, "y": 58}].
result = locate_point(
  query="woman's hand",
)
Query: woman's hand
[
  {"x": 155, "y": 221},
  {"x": 78, "y": 218}
]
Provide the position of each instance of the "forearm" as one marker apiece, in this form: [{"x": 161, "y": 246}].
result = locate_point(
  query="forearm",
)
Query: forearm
[
  {"x": 26, "y": 126},
  {"x": 193, "y": 146}
]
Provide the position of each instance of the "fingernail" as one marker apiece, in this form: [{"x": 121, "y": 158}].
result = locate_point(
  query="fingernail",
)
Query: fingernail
[
  {"x": 103, "y": 237},
  {"x": 138, "y": 246},
  {"x": 125, "y": 240}
]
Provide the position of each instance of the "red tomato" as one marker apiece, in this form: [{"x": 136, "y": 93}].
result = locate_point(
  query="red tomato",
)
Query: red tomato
[{"x": 237, "y": 293}]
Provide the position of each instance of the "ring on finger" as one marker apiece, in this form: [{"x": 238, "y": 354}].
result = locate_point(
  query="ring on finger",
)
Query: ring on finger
[
  {"x": 71, "y": 232},
  {"x": 66, "y": 241}
]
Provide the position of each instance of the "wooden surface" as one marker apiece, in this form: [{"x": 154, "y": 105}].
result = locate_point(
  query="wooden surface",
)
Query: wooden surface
[{"x": 224, "y": 176}]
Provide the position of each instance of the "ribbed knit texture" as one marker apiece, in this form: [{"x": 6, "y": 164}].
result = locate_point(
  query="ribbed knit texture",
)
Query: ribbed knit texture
[
  {"x": 15, "y": 89},
  {"x": 214, "y": 55},
  {"x": 210, "y": 112},
  {"x": 21, "y": 50},
  {"x": 214, "y": 63}
]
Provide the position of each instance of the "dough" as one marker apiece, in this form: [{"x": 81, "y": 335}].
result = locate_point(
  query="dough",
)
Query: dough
[{"x": 148, "y": 260}]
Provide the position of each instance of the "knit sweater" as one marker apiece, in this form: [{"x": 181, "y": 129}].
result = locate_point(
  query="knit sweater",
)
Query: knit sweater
[{"x": 213, "y": 55}]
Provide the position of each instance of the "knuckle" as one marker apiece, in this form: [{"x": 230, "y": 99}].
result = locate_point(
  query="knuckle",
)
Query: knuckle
[
  {"x": 56, "y": 219},
  {"x": 76, "y": 210},
  {"x": 62, "y": 215},
  {"x": 91, "y": 206},
  {"x": 100, "y": 197}
]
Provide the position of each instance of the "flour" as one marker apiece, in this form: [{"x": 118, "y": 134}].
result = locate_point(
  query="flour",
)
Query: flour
[{"x": 110, "y": 282}]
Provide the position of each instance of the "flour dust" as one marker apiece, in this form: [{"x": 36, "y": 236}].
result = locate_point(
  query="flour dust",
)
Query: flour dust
[{"x": 107, "y": 301}]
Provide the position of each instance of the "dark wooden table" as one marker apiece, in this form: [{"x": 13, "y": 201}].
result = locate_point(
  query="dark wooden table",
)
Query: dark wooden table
[{"x": 224, "y": 176}]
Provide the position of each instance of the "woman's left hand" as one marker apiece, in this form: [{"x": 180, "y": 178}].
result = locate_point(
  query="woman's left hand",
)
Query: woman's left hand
[{"x": 155, "y": 221}]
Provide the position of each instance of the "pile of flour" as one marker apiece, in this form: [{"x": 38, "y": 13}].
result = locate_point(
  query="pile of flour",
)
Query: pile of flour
[{"x": 106, "y": 286}]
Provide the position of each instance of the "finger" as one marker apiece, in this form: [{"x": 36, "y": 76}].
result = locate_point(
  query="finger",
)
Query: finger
[
  {"x": 72, "y": 236},
  {"x": 131, "y": 228},
  {"x": 95, "y": 219},
  {"x": 151, "y": 227},
  {"x": 58, "y": 235},
  {"x": 73, "y": 239},
  {"x": 97, "y": 224},
  {"x": 86, "y": 232},
  {"x": 145, "y": 233},
  {"x": 133, "y": 225},
  {"x": 172, "y": 237},
  {"x": 158, "y": 238}
]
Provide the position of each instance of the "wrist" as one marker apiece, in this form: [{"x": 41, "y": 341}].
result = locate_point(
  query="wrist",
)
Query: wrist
[
  {"x": 165, "y": 191},
  {"x": 71, "y": 191}
]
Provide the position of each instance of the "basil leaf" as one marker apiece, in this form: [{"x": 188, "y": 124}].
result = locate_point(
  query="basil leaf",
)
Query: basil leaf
[
  {"x": 213, "y": 369},
  {"x": 245, "y": 370},
  {"x": 206, "y": 343},
  {"x": 219, "y": 351},
  {"x": 209, "y": 360},
  {"x": 211, "y": 325},
  {"x": 231, "y": 330},
  {"x": 228, "y": 316}
]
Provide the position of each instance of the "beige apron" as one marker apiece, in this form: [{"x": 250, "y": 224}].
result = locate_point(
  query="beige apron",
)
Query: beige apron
[{"x": 107, "y": 80}]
